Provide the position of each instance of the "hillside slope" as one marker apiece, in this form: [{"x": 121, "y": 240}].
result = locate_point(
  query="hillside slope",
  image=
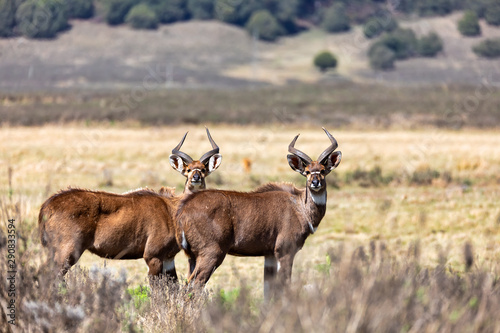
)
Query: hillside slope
[{"x": 208, "y": 53}]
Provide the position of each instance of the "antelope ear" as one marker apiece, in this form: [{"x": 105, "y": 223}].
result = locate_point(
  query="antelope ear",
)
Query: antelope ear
[
  {"x": 177, "y": 163},
  {"x": 296, "y": 163},
  {"x": 333, "y": 161},
  {"x": 213, "y": 163}
]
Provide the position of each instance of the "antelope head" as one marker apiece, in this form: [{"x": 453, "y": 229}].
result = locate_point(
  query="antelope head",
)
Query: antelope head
[
  {"x": 315, "y": 171},
  {"x": 195, "y": 171}
]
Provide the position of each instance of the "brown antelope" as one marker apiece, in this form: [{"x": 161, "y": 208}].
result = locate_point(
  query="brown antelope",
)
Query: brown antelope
[
  {"x": 273, "y": 221},
  {"x": 134, "y": 225}
]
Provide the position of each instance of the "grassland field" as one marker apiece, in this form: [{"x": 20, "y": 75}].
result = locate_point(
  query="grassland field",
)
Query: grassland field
[{"x": 436, "y": 187}]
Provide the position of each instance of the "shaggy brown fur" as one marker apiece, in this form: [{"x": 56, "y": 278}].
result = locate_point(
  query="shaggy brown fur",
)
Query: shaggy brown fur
[{"x": 133, "y": 225}]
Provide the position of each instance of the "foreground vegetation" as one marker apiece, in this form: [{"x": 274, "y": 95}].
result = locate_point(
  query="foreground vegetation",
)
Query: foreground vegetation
[{"x": 408, "y": 242}]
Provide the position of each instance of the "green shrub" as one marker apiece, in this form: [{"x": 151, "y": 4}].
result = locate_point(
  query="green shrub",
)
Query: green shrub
[
  {"x": 430, "y": 45},
  {"x": 406, "y": 6},
  {"x": 477, "y": 6},
  {"x": 489, "y": 48},
  {"x": 325, "y": 60},
  {"x": 381, "y": 57},
  {"x": 469, "y": 24},
  {"x": 228, "y": 11},
  {"x": 264, "y": 25},
  {"x": 42, "y": 18},
  {"x": 117, "y": 10},
  {"x": 424, "y": 176},
  {"x": 285, "y": 11},
  {"x": 336, "y": 19},
  {"x": 142, "y": 17},
  {"x": 375, "y": 26},
  {"x": 403, "y": 42},
  {"x": 434, "y": 7},
  {"x": 7, "y": 17},
  {"x": 492, "y": 12},
  {"x": 82, "y": 9},
  {"x": 201, "y": 9},
  {"x": 168, "y": 11}
]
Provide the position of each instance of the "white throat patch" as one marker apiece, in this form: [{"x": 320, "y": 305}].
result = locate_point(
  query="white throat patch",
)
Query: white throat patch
[{"x": 319, "y": 199}]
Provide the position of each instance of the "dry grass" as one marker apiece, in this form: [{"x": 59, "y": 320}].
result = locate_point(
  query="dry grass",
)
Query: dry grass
[
  {"x": 439, "y": 187},
  {"x": 414, "y": 197}
]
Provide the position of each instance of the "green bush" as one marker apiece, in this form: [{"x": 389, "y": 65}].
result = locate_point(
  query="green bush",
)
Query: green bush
[
  {"x": 42, "y": 18},
  {"x": 430, "y": 45},
  {"x": 477, "y": 6},
  {"x": 403, "y": 42},
  {"x": 201, "y": 9},
  {"x": 7, "y": 17},
  {"x": 168, "y": 11},
  {"x": 285, "y": 11},
  {"x": 228, "y": 11},
  {"x": 489, "y": 48},
  {"x": 325, "y": 60},
  {"x": 375, "y": 26},
  {"x": 117, "y": 10},
  {"x": 82, "y": 9},
  {"x": 434, "y": 7},
  {"x": 406, "y": 6},
  {"x": 381, "y": 57},
  {"x": 142, "y": 17},
  {"x": 492, "y": 12},
  {"x": 236, "y": 11},
  {"x": 336, "y": 19},
  {"x": 469, "y": 24},
  {"x": 264, "y": 25}
]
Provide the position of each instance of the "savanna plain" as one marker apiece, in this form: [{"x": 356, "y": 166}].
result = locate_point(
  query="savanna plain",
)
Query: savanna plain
[{"x": 409, "y": 241}]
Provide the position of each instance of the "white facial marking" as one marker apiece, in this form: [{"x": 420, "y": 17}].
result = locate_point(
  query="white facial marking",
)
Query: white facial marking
[
  {"x": 168, "y": 265},
  {"x": 184, "y": 241},
  {"x": 319, "y": 199},
  {"x": 278, "y": 266}
]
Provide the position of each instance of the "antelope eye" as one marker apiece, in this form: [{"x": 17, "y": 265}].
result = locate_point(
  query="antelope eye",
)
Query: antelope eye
[
  {"x": 322, "y": 172},
  {"x": 308, "y": 173},
  {"x": 188, "y": 170},
  {"x": 203, "y": 170}
]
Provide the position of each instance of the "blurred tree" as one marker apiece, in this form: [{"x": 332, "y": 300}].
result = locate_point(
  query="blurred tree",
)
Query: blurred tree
[
  {"x": 7, "y": 17},
  {"x": 492, "y": 12},
  {"x": 430, "y": 45},
  {"x": 201, "y": 9},
  {"x": 489, "y": 48},
  {"x": 117, "y": 10},
  {"x": 469, "y": 24},
  {"x": 82, "y": 9},
  {"x": 42, "y": 18},
  {"x": 141, "y": 16},
  {"x": 168, "y": 11},
  {"x": 381, "y": 57},
  {"x": 375, "y": 26},
  {"x": 434, "y": 7},
  {"x": 403, "y": 42},
  {"x": 478, "y": 6},
  {"x": 336, "y": 19},
  {"x": 264, "y": 25},
  {"x": 325, "y": 60},
  {"x": 236, "y": 11}
]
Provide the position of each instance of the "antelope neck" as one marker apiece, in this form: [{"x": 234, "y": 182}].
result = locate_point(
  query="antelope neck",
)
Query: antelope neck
[{"x": 315, "y": 204}]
